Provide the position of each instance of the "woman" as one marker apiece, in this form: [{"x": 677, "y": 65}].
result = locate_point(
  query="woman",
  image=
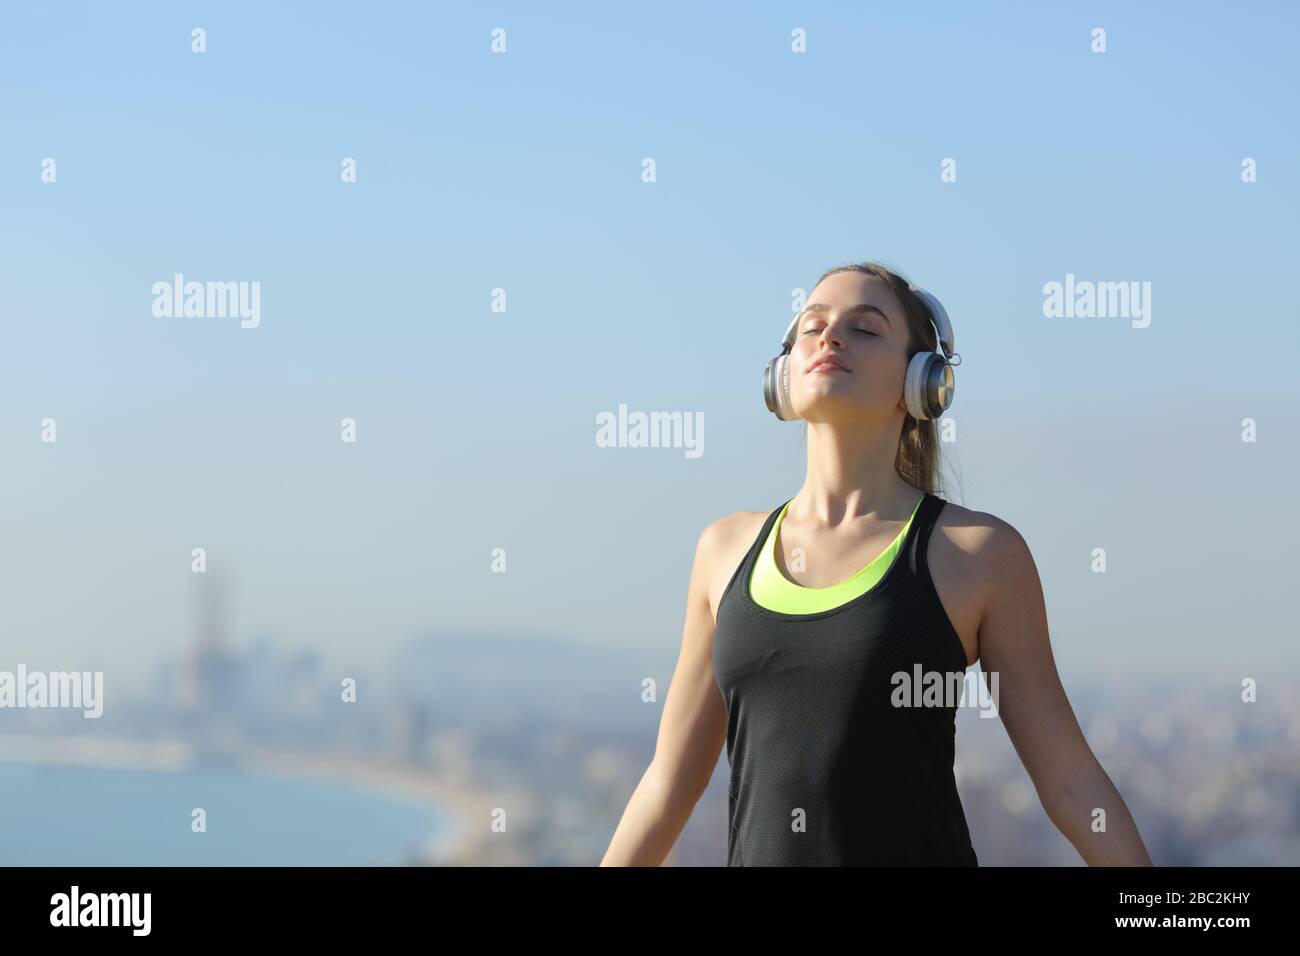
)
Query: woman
[{"x": 809, "y": 627}]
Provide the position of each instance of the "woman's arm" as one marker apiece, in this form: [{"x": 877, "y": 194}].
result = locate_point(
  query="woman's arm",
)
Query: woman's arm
[
  {"x": 1014, "y": 645},
  {"x": 692, "y": 732}
]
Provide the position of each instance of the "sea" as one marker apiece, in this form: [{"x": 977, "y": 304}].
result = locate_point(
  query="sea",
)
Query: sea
[{"x": 78, "y": 816}]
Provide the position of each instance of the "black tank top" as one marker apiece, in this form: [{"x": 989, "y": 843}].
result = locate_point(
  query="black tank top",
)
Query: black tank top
[{"x": 825, "y": 769}]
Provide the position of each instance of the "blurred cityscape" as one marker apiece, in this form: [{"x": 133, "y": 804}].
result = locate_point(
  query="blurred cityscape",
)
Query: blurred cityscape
[{"x": 558, "y": 736}]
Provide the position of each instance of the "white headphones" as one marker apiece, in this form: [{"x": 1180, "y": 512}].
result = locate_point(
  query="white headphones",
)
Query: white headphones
[{"x": 927, "y": 389}]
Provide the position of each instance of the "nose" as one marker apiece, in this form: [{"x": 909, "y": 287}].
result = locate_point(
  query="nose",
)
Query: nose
[{"x": 830, "y": 334}]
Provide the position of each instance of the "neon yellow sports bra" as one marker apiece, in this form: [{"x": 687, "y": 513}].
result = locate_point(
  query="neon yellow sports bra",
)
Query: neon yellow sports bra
[{"x": 773, "y": 590}]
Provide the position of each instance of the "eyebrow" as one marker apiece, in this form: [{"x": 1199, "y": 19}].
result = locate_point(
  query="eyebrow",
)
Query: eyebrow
[{"x": 860, "y": 307}]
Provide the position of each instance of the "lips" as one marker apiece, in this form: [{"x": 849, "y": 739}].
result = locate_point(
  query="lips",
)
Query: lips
[{"x": 826, "y": 365}]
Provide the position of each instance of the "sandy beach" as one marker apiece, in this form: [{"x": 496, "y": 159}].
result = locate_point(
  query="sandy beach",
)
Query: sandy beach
[{"x": 470, "y": 809}]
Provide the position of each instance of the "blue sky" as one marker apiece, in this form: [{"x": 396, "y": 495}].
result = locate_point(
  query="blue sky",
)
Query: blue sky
[{"x": 522, "y": 171}]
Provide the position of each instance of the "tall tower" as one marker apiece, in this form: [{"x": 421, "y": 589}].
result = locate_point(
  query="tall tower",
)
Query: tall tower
[{"x": 208, "y": 670}]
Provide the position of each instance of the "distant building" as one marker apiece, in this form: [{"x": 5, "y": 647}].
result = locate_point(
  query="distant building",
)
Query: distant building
[{"x": 212, "y": 676}]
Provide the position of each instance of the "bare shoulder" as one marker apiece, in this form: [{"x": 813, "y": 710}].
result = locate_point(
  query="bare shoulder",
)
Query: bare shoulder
[
  {"x": 981, "y": 551},
  {"x": 722, "y": 546}
]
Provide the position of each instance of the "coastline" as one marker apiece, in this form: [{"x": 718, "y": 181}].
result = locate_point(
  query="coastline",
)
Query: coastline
[{"x": 468, "y": 808}]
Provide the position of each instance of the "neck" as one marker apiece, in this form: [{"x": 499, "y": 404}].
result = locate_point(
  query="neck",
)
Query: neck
[{"x": 851, "y": 474}]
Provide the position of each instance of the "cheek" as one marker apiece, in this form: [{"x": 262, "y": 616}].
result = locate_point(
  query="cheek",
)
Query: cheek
[{"x": 886, "y": 368}]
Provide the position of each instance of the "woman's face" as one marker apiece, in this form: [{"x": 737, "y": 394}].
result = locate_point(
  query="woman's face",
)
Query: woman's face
[{"x": 854, "y": 319}]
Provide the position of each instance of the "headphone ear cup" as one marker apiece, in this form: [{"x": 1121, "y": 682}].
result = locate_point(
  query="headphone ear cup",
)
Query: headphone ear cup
[
  {"x": 783, "y": 381},
  {"x": 911, "y": 385},
  {"x": 769, "y": 387},
  {"x": 928, "y": 387},
  {"x": 776, "y": 388}
]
